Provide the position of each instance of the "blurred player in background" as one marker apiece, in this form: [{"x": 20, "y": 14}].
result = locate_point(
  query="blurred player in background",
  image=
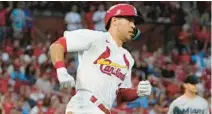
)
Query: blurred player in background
[
  {"x": 104, "y": 69},
  {"x": 189, "y": 102}
]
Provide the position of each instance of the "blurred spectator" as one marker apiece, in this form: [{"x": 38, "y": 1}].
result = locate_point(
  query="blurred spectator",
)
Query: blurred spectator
[
  {"x": 88, "y": 17},
  {"x": 38, "y": 49},
  {"x": 73, "y": 19},
  {"x": 175, "y": 57},
  {"x": 36, "y": 94},
  {"x": 177, "y": 14},
  {"x": 207, "y": 59},
  {"x": 184, "y": 38},
  {"x": 165, "y": 15},
  {"x": 29, "y": 23},
  {"x": 44, "y": 84},
  {"x": 18, "y": 19},
  {"x": 205, "y": 18},
  {"x": 39, "y": 108},
  {"x": 198, "y": 59},
  {"x": 98, "y": 18},
  {"x": 8, "y": 102},
  {"x": 55, "y": 103},
  {"x": 173, "y": 89},
  {"x": 202, "y": 36},
  {"x": 3, "y": 19},
  {"x": 30, "y": 73},
  {"x": 184, "y": 58}
]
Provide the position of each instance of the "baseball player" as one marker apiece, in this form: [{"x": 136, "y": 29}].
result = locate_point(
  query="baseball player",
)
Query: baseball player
[
  {"x": 104, "y": 69},
  {"x": 189, "y": 102}
]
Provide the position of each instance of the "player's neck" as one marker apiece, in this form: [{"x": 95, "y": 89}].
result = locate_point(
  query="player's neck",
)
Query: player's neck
[
  {"x": 190, "y": 95},
  {"x": 115, "y": 37}
]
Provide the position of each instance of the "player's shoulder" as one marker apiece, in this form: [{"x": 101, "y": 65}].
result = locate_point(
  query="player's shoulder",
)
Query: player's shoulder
[
  {"x": 87, "y": 31},
  {"x": 177, "y": 100},
  {"x": 91, "y": 34},
  {"x": 128, "y": 54},
  {"x": 202, "y": 100}
]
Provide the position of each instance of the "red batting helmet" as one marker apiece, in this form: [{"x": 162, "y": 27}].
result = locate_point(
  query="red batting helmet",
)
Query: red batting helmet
[{"x": 121, "y": 10}]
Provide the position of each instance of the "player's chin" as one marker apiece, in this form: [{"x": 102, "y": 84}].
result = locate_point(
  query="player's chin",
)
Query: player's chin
[
  {"x": 129, "y": 37},
  {"x": 194, "y": 91}
]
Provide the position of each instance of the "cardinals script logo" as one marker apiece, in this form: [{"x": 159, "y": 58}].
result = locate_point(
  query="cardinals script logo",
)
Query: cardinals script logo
[{"x": 111, "y": 68}]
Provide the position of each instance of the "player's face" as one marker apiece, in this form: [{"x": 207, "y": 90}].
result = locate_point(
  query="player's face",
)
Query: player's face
[
  {"x": 191, "y": 88},
  {"x": 125, "y": 28}
]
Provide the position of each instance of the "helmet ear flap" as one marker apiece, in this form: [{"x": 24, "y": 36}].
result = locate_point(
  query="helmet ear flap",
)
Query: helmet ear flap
[{"x": 137, "y": 34}]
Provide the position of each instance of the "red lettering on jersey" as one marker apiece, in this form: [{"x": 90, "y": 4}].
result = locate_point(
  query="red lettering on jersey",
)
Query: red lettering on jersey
[
  {"x": 110, "y": 69},
  {"x": 104, "y": 55}
]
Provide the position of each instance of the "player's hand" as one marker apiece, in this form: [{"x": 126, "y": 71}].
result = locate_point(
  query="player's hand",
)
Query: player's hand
[
  {"x": 65, "y": 79},
  {"x": 144, "y": 88}
]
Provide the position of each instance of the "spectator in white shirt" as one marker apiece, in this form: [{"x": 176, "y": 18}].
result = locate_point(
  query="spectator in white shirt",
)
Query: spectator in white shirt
[
  {"x": 73, "y": 19},
  {"x": 99, "y": 17}
]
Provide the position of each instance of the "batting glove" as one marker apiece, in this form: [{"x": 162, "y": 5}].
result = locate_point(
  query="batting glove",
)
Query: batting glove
[
  {"x": 144, "y": 88},
  {"x": 65, "y": 79}
]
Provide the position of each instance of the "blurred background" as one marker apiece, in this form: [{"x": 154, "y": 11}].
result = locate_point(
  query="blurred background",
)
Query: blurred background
[{"x": 176, "y": 42}]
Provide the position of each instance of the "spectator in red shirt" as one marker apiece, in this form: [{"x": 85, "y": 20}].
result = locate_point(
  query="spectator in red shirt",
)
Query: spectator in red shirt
[
  {"x": 144, "y": 52},
  {"x": 38, "y": 50},
  {"x": 3, "y": 14},
  {"x": 4, "y": 82},
  {"x": 7, "y": 103},
  {"x": 88, "y": 17},
  {"x": 175, "y": 56},
  {"x": 184, "y": 38},
  {"x": 173, "y": 89},
  {"x": 203, "y": 36},
  {"x": 185, "y": 58}
]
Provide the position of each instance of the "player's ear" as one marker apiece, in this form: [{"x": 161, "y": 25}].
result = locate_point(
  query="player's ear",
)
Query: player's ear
[{"x": 114, "y": 21}]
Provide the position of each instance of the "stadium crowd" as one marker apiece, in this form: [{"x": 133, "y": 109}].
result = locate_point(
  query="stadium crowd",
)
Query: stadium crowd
[{"x": 28, "y": 81}]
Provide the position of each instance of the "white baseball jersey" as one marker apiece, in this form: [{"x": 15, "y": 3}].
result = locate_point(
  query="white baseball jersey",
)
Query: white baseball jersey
[
  {"x": 182, "y": 105},
  {"x": 103, "y": 66}
]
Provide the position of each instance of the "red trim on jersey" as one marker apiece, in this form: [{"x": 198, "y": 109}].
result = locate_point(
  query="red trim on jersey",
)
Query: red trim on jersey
[
  {"x": 59, "y": 64},
  {"x": 104, "y": 55},
  {"x": 127, "y": 95},
  {"x": 126, "y": 61},
  {"x": 62, "y": 41}
]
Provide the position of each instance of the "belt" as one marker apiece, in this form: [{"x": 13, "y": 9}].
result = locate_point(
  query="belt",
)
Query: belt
[{"x": 101, "y": 106}]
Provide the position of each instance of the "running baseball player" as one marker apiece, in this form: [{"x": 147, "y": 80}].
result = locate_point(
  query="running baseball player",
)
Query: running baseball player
[
  {"x": 189, "y": 102},
  {"x": 104, "y": 69}
]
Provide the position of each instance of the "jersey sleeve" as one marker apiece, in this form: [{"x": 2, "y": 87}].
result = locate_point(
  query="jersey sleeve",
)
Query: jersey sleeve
[{"x": 80, "y": 40}]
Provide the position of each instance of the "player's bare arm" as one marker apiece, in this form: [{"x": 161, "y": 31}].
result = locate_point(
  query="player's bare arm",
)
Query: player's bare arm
[{"x": 57, "y": 50}]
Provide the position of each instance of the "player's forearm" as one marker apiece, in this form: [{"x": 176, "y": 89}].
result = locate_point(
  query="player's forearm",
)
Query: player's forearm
[
  {"x": 128, "y": 94},
  {"x": 56, "y": 52}
]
